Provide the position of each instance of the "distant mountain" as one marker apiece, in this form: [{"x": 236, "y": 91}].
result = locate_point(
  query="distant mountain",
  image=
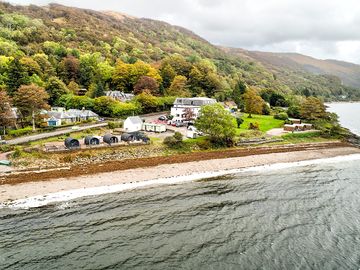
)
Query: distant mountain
[{"x": 284, "y": 63}]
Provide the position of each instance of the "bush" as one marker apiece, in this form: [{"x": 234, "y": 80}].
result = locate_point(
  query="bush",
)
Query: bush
[
  {"x": 281, "y": 116},
  {"x": 113, "y": 124},
  {"x": 17, "y": 152},
  {"x": 254, "y": 126},
  {"x": 204, "y": 145},
  {"x": 294, "y": 111},
  {"x": 175, "y": 141},
  {"x": 20, "y": 132}
]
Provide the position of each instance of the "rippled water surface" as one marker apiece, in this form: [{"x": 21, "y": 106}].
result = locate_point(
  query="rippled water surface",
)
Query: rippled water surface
[
  {"x": 349, "y": 115},
  {"x": 298, "y": 218}
]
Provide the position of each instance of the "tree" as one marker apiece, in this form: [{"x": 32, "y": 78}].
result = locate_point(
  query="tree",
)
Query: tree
[
  {"x": 189, "y": 114},
  {"x": 125, "y": 76},
  {"x": 6, "y": 118},
  {"x": 178, "y": 87},
  {"x": 217, "y": 122},
  {"x": 148, "y": 102},
  {"x": 17, "y": 75},
  {"x": 146, "y": 83},
  {"x": 253, "y": 102},
  {"x": 312, "y": 108},
  {"x": 238, "y": 91},
  {"x": 73, "y": 87},
  {"x": 69, "y": 69},
  {"x": 30, "y": 99},
  {"x": 55, "y": 88},
  {"x": 239, "y": 121},
  {"x": 168, "y": 74}
]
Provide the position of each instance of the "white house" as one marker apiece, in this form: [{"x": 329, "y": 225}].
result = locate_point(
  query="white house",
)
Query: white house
[
  {"x": 133, "y": 123},
  {"x": 59, "y": 116},
  {"x": 184, "y": 106}
]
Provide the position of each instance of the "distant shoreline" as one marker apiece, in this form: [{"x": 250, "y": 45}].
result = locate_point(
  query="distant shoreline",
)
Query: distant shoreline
[{"x": 138, "y": 176}]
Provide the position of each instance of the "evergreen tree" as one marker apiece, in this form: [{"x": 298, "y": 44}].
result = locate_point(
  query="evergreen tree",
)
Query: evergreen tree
[{"x": 17, "y": 75}]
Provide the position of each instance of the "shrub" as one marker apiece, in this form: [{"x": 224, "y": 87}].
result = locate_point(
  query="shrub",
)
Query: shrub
[
  {"x": 20, "y": 132},
  {"x": 17, "y": 152},
  {"x": 113, "y": 124},
  {"x": 294, "y": 111},
  {"x": 254, "y": 126},
  {"x": 204, "y": 145},
  {"x": 175, "y": 141},
  {"x": 281, "y": 116},
  {"x": 239, "y": 121}
]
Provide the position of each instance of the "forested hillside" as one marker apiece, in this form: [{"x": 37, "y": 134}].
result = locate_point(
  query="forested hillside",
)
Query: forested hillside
[
  {"x": 65, "y": 50},
  {"x": 306, "y": 74}
]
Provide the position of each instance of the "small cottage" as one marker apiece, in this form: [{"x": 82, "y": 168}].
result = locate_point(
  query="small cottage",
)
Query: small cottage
[{"x": 133, "y": 123}]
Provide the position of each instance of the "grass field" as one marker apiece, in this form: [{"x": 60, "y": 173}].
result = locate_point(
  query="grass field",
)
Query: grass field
[{"x": 266, "y": 123}]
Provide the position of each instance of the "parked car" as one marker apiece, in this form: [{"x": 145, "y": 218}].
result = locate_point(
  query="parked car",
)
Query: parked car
[
  {"x": 162, "y": 118},
  {"x": 179, "y": 124},
  {"x": 2, "y": 142}
]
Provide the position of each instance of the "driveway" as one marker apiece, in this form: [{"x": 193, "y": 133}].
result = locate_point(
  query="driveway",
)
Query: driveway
[{"x": 41, "y": 136}]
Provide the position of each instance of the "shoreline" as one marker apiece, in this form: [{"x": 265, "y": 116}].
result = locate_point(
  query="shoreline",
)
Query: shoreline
[
  {"x": 39, "y": 193},
  {"x": 69, "y": 171}
]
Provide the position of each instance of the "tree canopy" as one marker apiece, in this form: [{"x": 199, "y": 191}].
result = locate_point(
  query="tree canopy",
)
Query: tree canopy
[{"x": 217, "y": 122}]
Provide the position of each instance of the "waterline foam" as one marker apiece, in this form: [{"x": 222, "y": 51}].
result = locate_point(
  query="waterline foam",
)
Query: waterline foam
[{"x": 63, "y": 196}]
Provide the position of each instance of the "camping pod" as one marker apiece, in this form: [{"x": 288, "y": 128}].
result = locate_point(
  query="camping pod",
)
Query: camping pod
[
  {"x": 110, "y": 139},
  {"x": 91, "y": 140},
  {"x": 127, "y": 137},
  {"x": 71, "y": 143}
]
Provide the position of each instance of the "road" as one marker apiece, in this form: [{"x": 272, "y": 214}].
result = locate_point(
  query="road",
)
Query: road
[{"x": 41, "y": 136}]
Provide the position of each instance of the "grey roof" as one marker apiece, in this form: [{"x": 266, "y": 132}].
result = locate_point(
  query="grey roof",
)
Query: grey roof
[
  {"x": 60, "y": 115},
  {"x": 198, "y": 101},
  {"x": 81, "y": 113},
  {"x": 120, "y": 95},
  {"x": 134, "y": 120}
]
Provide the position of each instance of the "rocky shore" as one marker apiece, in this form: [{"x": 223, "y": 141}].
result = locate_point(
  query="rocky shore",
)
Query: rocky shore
[{"x": 32, "y": 183}]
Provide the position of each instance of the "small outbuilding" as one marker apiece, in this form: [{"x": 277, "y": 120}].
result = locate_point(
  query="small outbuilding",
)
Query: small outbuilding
[
  {"x": 127, "y": 137},
  {"x": 133, "y": 123},
  {"x": 91, "y": 140},
  {"x": 154, "y": 127},
  {"x": 135, "y": 136},
  {"x": 110, "y": 139},
  {"x": 71, "y": 143}
]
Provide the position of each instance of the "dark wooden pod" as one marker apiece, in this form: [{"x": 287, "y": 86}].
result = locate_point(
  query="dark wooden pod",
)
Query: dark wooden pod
[
  {"x": 127, "y": 137},
  {"x": 71, "y": 143},
  {"x": 110, "y": 139},
  {"x": 91, "y": 140}
]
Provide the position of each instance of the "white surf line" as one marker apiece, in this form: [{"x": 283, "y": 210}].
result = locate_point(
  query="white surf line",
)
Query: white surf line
[{"x": 42, "y": 200}]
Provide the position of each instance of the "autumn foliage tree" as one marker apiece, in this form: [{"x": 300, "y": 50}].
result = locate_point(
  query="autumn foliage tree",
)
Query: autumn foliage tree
[
  {"x": 254, "y": 104},
  {"x": 30, "y": 100},
  {"x": 312, "y": 108},
  {"x": 5, "y": 110},
  {"x": 146, "y": 83},
  {"x": 178, "y": 87}
]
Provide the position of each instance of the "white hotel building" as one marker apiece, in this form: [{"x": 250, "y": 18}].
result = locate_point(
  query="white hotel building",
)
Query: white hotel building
[{"x": 195, "y": 104}]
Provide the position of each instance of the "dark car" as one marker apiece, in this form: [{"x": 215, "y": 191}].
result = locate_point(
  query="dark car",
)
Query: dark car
[{"x": 162, "y": 118}]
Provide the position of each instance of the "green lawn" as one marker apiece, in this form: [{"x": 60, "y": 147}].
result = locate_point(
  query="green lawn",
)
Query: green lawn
[{"x": 266, "y": 123}]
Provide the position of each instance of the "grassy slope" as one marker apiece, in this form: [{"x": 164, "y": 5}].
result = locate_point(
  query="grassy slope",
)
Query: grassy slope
[{"x": 266, "y": 123}]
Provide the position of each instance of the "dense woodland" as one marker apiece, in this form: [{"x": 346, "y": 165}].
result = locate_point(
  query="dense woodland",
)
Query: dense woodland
[{"x": 59, "y": 51}]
